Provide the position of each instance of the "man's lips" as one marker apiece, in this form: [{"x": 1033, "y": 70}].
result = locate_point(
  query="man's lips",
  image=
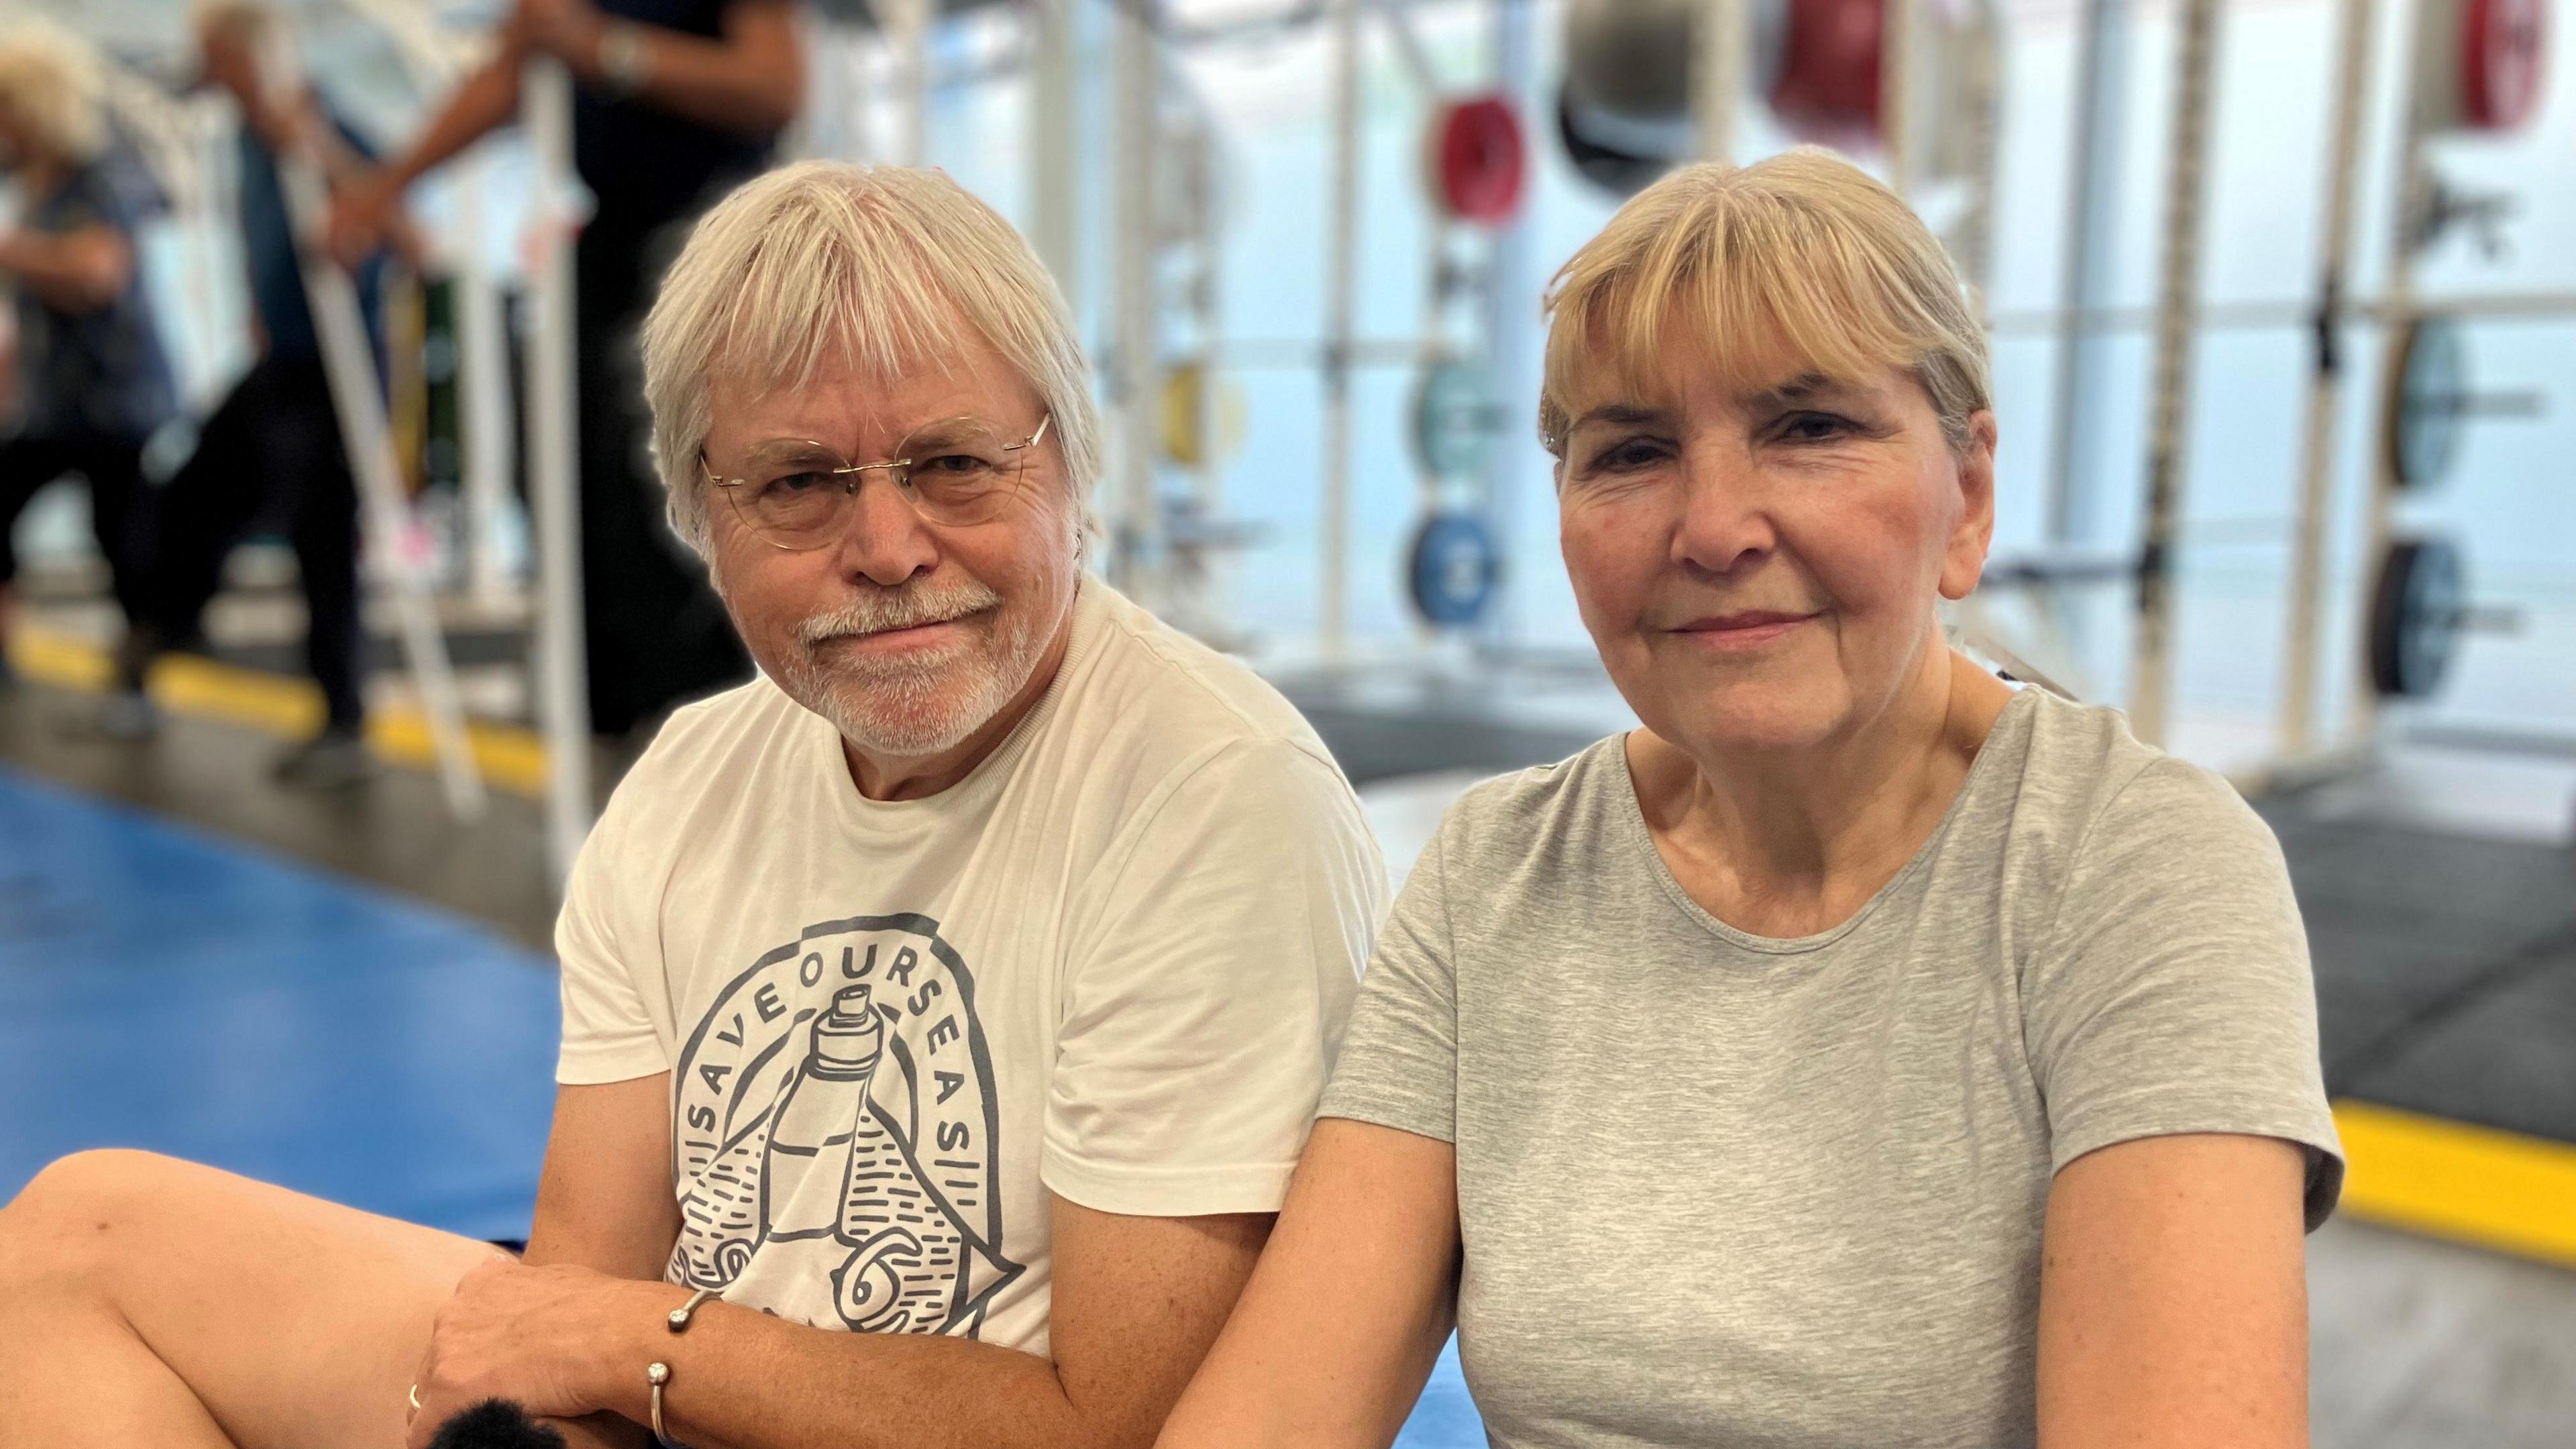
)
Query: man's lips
[{"x": 899, "y": 637}]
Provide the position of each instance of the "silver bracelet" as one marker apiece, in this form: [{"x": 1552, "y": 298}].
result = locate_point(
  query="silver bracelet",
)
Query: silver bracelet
[
  {"x": 625, "y": 61},
  {"x": 659, "y": 1374}
]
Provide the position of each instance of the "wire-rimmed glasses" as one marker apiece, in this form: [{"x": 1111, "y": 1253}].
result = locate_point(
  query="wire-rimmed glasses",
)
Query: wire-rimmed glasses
[{"x": 796, "y": 493}]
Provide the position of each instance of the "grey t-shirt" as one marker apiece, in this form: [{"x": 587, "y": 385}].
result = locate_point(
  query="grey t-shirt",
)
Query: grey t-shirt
[{"x": 1726, "y": 1189}]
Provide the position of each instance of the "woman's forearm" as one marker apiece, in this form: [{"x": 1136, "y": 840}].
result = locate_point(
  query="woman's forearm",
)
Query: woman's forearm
[
  {"x": 487, "y": 101},
  {"x": 79, "y": 271}
]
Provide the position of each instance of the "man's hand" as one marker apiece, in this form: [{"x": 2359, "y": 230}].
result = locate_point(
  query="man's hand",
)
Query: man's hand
[{"x": 532, "y": 1335}]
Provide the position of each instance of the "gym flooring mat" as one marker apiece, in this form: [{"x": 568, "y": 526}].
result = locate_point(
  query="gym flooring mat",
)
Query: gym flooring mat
[
  {"x": 163, "y": 989},
  {"x": 166, "y": 989}
]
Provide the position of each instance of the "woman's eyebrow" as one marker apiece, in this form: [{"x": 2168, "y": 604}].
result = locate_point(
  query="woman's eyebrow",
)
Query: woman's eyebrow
[
  {"x": 1617, "y": 412},
  {"x": 1804, "y": 388}
]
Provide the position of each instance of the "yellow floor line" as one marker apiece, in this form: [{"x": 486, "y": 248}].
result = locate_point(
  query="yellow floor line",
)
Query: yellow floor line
[
  {"x": 510, "y": 758},
  {"x": 2451, "y": 1180}
]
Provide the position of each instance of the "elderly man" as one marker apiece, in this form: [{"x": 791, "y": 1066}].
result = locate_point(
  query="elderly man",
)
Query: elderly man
[
  {"x": 272, "y": 448},
  {"x": 943, "y": 1011}
]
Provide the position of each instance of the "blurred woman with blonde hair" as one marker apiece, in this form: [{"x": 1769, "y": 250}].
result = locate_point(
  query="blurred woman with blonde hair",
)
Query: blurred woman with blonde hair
[
  {"x": 1863, "y": 1052},
  {"x": 93, "y": 380}
]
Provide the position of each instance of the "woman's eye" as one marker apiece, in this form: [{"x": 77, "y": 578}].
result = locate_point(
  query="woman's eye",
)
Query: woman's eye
[
  {"x": 1627, "y": 456},
  {"x": 1814, "y": 428}
]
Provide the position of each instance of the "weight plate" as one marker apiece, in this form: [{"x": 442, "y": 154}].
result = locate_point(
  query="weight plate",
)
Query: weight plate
[
  {"x": 1454, "y": 569},
  {"x": 1456, "y": 420},
  {"x": 1604, "y": 154},
  {"x": 2500, "y": 61},
  {"x": 1829, "y": 75},
  {"x": 2416, "y": 610},
  {"x": 1477, "y": 161},
  {"x": 2430, "y": 385}
]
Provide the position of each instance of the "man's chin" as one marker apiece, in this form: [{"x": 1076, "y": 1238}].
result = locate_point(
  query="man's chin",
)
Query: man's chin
[
  {"x": 907, "y": 734},
  {"x": 908, "y": 713}
]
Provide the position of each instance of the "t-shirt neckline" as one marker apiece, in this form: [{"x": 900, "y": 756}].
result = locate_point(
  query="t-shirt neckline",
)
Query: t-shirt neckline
[{"x": 1630, "y": 818}]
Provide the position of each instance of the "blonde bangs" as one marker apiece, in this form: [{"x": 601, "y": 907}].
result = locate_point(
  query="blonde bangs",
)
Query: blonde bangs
[{"x": 1798, "y": 264}]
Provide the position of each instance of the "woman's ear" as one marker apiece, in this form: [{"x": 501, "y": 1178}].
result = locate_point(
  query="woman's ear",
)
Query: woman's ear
[{"x": 1964, "y": 559}]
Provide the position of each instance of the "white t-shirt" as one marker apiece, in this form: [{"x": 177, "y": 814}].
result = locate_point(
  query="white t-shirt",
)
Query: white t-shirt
[{"x": 1113, "y": 962}]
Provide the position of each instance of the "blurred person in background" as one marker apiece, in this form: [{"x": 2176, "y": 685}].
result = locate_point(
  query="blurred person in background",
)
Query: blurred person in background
[
  {"x": 93, "y": 380},
  {"x": 272, "y": 452},
  {"x": 676, "y": 101}
]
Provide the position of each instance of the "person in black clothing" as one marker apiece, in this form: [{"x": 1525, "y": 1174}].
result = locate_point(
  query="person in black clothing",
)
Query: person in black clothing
[
  {"x": 272, "y": 450},
  {"x": 94, "y": 379},
  {"x": 677, "y": 101}
]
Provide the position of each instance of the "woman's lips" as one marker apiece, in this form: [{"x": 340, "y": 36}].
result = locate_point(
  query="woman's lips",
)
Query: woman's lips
[{"x": 1731, "y": 633}]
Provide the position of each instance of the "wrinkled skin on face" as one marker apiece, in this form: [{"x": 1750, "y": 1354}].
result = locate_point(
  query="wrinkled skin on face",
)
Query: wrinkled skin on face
[
  {"x": 1759, "y": 557},
  {"x": 920, "y": 642}
]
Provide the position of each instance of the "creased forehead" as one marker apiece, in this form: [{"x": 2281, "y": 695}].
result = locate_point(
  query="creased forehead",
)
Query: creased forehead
[{"x": 1722, "y": 316}]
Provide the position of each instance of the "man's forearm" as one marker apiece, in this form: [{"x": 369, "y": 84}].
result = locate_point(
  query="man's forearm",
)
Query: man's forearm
[{"x": 741, "y": 1379}]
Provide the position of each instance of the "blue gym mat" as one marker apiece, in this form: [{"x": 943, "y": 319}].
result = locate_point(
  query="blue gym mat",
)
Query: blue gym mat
[
  {"x": 161, "y": 988},
  {"x": 166, "y": 989}
]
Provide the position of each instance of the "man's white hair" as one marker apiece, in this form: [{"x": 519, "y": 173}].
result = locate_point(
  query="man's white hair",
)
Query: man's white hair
[
  {"x": 55, "y": 86},
  {"x": 880, "y": 268}
]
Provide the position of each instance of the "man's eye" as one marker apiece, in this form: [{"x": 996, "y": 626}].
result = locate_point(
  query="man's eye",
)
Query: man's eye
[{"x": 792, "y": 485}]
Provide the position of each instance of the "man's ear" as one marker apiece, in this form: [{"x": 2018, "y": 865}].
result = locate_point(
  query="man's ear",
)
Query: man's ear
[{"x": 1964, "y": 557}]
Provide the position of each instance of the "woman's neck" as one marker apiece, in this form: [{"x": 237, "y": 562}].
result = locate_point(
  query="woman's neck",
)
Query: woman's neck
[{"x": 1792, "y": 842}]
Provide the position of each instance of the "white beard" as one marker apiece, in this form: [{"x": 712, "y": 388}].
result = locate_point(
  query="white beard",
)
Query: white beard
[{"x": 921, "y": 704}]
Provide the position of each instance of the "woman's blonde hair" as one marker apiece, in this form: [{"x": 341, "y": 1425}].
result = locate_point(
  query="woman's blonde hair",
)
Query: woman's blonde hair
[
  {"x": 52, "y": 83},
  {"x": 876, "y": 267},
  {"x": 1802, "y": 255}
]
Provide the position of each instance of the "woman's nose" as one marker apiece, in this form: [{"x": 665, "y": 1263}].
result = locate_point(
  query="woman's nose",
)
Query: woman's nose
[{"x": 1725, "y": 510}]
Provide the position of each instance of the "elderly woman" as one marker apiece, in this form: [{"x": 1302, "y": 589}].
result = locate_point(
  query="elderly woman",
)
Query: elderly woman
[
  {"x": 1860, "y": 1053},
  {"x": 92, "y": 374}
]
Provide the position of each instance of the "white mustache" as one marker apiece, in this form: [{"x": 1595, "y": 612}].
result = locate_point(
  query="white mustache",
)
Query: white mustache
[{"x": 908, "y": 607}]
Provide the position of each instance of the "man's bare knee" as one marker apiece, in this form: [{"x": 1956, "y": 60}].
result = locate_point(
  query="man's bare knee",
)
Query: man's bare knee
[{"x": 71, "y": 1219}]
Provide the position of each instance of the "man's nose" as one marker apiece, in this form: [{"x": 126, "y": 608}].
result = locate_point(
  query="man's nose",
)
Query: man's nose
[{"x": 882, "y": 538}]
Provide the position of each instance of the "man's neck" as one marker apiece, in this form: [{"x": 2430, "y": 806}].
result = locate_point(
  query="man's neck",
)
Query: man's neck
[{"x": 896, "y": 777}]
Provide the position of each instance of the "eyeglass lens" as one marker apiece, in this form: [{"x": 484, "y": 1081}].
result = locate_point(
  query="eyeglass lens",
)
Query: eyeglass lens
[{"x": 954, "y": 471}]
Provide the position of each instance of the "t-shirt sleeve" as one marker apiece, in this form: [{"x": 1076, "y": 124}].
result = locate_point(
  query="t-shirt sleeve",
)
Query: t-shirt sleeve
[
  {"x": 2172, "y": 992},
  {"x": 1203, "y": 1002},
  {"x": 1399, "y": 1065},
  {"x": 608, "y": 1034}
]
